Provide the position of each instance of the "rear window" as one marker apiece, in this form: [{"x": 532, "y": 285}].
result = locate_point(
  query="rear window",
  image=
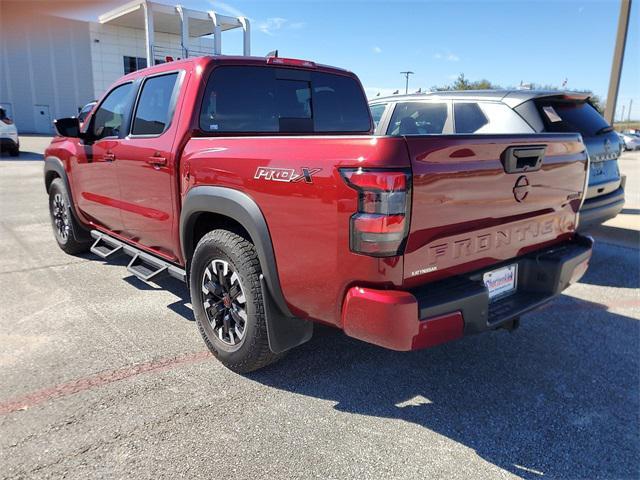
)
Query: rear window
[
  {"x": 578, "y": 117},
  {"x": 242, "y": 99}
]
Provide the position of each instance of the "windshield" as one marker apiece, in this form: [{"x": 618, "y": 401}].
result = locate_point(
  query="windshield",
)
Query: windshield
[{"x": 578, "y": 117}]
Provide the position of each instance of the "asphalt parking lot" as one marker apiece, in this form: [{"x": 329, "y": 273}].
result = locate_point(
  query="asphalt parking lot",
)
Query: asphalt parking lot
[{"x": 105, "y": 377}]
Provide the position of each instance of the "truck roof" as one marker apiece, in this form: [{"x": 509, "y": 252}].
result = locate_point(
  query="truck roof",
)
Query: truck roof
[
  {"x": 235, "y": 60},
  {"x": 512, "y": 98}
]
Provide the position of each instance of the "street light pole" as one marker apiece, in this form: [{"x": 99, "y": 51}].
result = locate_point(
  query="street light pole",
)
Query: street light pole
[
  {"x": 618, "y": 56},
  {"x": 406, "y": 85}
]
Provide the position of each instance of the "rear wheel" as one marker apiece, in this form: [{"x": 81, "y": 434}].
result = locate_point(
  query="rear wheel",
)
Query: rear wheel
[
  {"x": 14, "y": 151},
  {"x": 227, "y": 301},
  {"x": 62, "y": 219}
]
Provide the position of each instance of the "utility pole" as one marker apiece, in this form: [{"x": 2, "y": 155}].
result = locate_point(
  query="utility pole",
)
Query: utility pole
[
  {"x": 622, "y": 116},
  {"x": 618, "y": 56},
  {"x": 406, "y": 85},
  {"x": 629, "y": 113}
]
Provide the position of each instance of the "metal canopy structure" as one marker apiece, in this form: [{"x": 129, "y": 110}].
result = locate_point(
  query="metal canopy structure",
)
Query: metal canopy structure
[{"x": 157, "y": 17}]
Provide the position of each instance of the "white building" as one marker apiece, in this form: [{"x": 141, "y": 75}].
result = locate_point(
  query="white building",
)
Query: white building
[{"x": 52, "y": 64}]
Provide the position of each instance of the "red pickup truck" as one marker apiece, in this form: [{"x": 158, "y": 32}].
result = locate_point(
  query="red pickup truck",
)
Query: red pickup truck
[{"x": 260, "y": 183}]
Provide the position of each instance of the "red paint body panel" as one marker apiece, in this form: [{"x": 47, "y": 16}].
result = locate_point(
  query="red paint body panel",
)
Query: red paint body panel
[
  {"x": 308, "y": 223},
  {"x": 461, "y": 198},
  {"x": 389, "y": 318}
]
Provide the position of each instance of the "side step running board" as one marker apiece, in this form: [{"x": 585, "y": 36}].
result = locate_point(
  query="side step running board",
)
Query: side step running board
[{"x": 143, "y": 265}]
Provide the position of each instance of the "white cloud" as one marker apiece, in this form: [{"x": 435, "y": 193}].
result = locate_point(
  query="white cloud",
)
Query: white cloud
[
  {"x": 449, "y": 57},
  {"x": 226, "y": 9},
  {"x": 376, "y": 50},
  {"x": 271, "y": 25}
]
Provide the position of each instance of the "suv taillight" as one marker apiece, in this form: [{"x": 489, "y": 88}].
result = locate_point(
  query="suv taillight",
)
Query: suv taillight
[{"x": 380, "y": 226}]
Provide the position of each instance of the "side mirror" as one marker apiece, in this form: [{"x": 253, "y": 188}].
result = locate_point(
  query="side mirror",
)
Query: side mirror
[{"x": 67, "y": 127}]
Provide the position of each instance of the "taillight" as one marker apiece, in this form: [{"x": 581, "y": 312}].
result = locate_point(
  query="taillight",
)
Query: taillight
[{"x": 380, "y": 226}]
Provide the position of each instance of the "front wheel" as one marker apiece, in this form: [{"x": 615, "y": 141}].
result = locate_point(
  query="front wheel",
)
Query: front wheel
[
  {"x": 62, "y": 220},
  {"x": 227, "y": 301}
]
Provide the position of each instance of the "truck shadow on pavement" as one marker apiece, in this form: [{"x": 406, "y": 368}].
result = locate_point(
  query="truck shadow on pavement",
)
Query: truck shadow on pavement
[
  {"x": 605, "y": 268},
  {"x": 181, "y": 306},
  {"x": 558, "y": 398},
  {"x": 24, "y": 156}
]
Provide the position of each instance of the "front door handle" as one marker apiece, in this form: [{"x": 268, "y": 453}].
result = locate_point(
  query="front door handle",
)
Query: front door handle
[
  {"x": 109, "y": 157},
  {"x": 157, "y": 161}
]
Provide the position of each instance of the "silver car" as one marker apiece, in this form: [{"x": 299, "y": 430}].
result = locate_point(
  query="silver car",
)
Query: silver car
[{"x": 515, "y": 111}]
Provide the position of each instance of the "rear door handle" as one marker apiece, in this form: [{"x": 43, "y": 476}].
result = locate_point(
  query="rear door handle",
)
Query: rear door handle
[
  {"x": 525, "y": 158},
  {"x": 109, "y": 157},
  {"x": 157, "y": 161}
]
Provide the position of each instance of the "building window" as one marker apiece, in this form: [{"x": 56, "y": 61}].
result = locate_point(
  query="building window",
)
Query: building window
[{"x": 131, "y": 64}]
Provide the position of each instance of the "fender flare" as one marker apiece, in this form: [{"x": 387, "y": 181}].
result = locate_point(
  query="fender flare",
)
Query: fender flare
[
  {"x": 285, "y": 331},
  {"x": 55, "y": 165}
]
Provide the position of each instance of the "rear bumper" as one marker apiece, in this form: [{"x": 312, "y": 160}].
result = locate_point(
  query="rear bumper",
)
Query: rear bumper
[
  {"x": 597, "y": 210},
  {"x": 446, "y": 310}
]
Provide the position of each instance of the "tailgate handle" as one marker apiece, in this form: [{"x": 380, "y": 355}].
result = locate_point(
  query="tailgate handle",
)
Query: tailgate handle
[{"x": 523, "y": 159}]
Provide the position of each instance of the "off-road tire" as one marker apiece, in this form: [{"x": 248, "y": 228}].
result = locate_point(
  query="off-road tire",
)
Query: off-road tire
[
  {"x": 252, "y": 353},
  {"x": 68, "y": 242}
]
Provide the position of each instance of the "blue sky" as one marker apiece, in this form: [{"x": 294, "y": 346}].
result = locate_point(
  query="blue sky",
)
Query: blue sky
[{"x": 505, "y": 42}]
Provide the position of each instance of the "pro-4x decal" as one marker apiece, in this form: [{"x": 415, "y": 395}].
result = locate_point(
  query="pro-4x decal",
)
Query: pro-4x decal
[{"x": 286, "y": 174}]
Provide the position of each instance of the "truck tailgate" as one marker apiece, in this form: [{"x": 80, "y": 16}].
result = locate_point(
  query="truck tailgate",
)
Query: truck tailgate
[{"x": 478, "y": 200}]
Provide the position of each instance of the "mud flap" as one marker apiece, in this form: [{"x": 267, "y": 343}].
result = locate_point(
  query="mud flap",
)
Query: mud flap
[{"x": 283, "y": 332}]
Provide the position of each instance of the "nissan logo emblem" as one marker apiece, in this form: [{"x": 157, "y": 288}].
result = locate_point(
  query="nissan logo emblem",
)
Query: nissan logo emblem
[{"x": 521, "y": 188}]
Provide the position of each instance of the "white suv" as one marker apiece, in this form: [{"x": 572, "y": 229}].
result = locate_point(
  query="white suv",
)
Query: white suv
[{"x": 9, "y": 141}]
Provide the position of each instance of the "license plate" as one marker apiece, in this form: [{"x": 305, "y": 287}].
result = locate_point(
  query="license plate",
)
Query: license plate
[{"x": 501, "y": 282}]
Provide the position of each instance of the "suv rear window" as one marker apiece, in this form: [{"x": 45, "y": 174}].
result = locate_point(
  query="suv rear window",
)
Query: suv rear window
[
  {"x": 244, "y": 99},
  {"x": 468, "y": 117},
  {"x": 571, "y": 117}
]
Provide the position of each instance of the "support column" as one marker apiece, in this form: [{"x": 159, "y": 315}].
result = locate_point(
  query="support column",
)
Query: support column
[
  {"x": 149, "y": 30},
  {"x": 618, "y": 57},
  {"x": 184, "y": 30},
  {"x": 217, "y": 33},
  {"x": 246, "y": 28}
]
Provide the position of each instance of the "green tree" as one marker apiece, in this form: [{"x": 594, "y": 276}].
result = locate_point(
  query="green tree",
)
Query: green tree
[{"x": 462, "y": 83}]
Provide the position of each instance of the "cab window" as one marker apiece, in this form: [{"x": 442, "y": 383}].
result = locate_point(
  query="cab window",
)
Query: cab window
[
  {"x": 154, "y": 109},
  {"x": 109, "y": 119}
]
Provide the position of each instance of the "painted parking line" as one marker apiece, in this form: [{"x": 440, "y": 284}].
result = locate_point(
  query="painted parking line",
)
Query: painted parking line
[{"x": 98, "y": 380}]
